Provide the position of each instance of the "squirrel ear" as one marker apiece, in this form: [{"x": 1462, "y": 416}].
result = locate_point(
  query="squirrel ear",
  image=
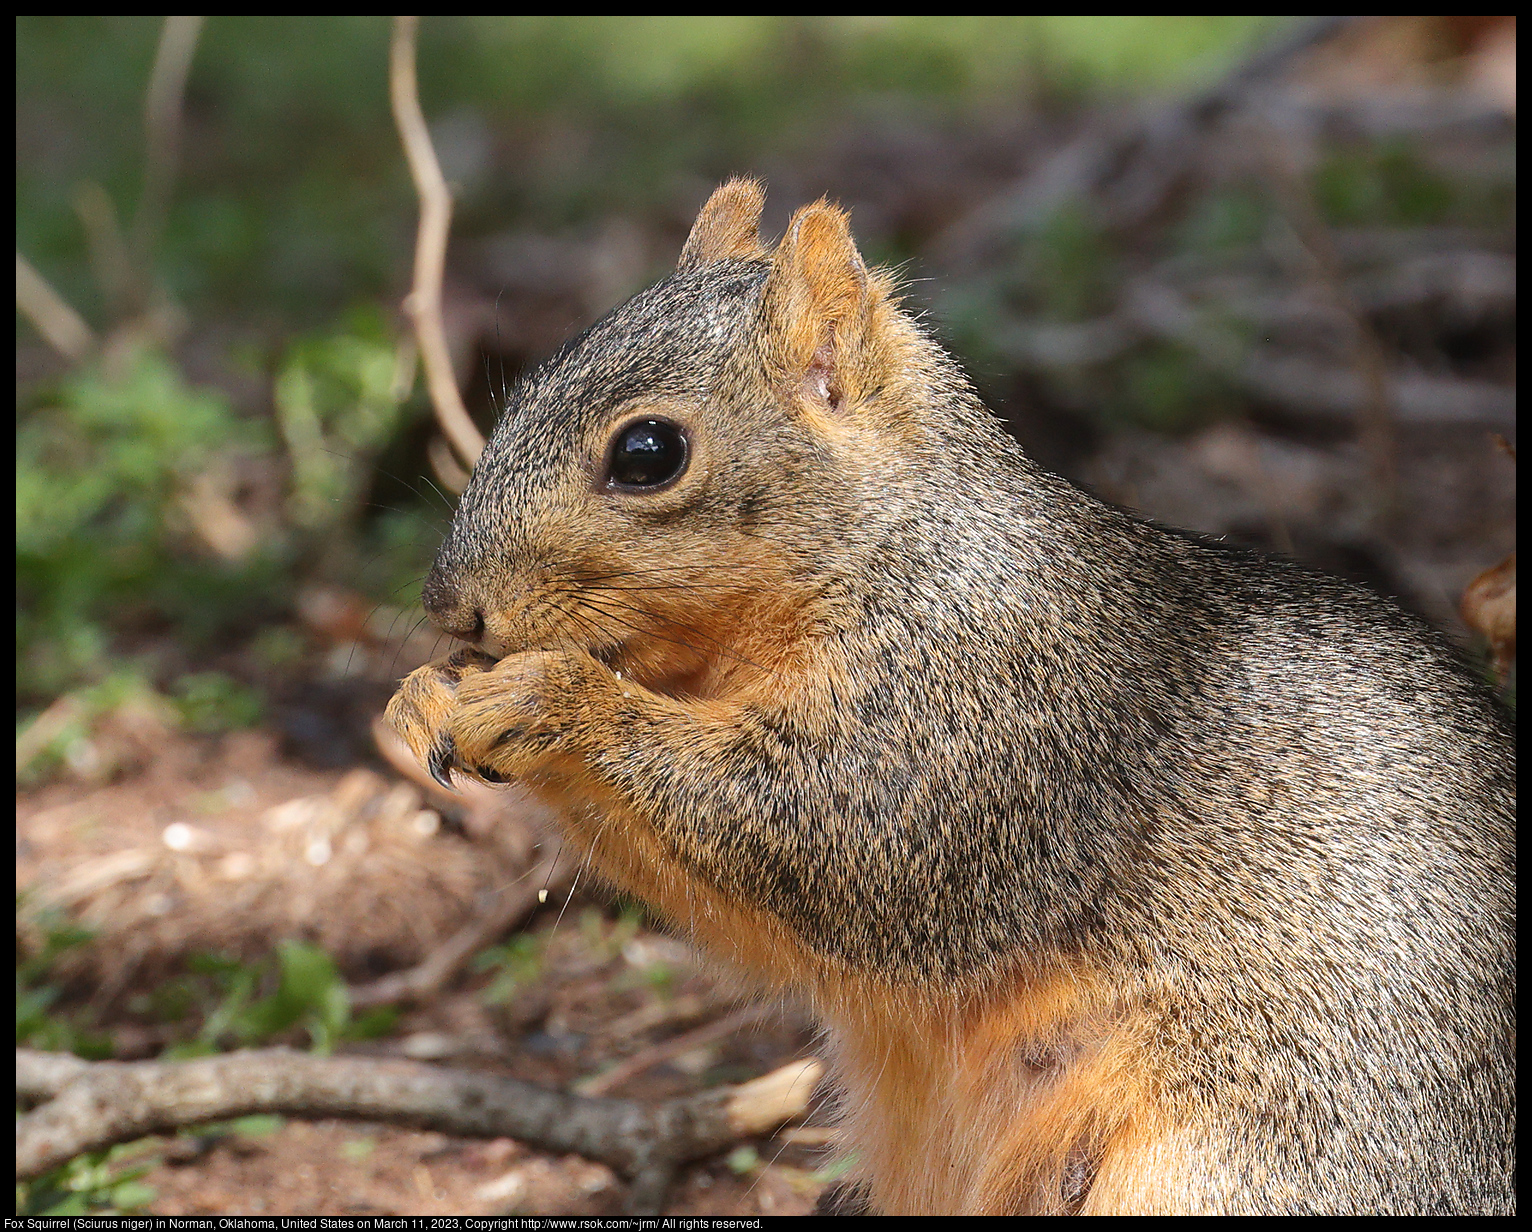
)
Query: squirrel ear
[
  {"x": 727, "y": 227},
  {"x": 816, "y": 305}
]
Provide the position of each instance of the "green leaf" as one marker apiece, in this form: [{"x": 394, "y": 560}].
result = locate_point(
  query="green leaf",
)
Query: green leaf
[
  {"x": 130, "y": 1195},
  {"x": 743, "y": 1159},
  {"x": 257, "y": 1125}
]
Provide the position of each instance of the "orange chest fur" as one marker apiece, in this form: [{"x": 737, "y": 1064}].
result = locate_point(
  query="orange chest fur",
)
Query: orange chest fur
[
  {"x": 1038, "y": 1104},
  {"x": 1035, "y": 1101}
]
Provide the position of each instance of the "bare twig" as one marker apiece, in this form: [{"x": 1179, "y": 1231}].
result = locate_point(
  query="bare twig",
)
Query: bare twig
[
  {"x": 110, "y": 261},
  {"x": 451, "y": 476},
  {"x": 96, "y": 1104},
  {"x": 423, "y": 304},
  {"x": 601, "y": 1083},
  {"x": 548, "y": 877},
  {"x": 61, "y": 326},
  {"x": 162, "y": 131},
  {"x": 683, "y": 1009}
]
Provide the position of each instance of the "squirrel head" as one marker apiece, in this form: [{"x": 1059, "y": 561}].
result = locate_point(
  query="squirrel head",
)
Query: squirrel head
[{"x": 677, "y": 489}]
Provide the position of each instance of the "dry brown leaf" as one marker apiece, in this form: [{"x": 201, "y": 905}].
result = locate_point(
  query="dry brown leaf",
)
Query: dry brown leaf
[{"x": 1489, "y": 607}]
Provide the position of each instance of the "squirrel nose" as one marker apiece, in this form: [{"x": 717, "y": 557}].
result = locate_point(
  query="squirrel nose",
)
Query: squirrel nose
[{"x": 445, "y": 604}]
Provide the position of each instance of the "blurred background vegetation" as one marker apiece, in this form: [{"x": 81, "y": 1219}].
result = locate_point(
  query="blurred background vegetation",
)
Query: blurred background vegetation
[{"x": 205, "y": 496}]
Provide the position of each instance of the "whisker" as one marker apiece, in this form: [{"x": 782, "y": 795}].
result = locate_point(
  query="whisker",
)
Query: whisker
[
  {"x": 402, "y": 482},
  {"x": 636, "y": 611},
  {"x": 653, "y": 586},
  {"x": 584, "y": 578},
  {"x": 388, "y": 636},
  {"x": 592, "y": 630},
  {"x": 499, "y": 357},
  {"x": 446, "y": 501},
  {"x": 718, "y": 646},
  {"x": 431, "y": 523},
  {"x": 393, "y": 663}
]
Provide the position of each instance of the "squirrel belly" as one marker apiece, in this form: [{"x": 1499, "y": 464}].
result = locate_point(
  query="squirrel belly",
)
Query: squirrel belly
[{"x": 1128, "y": 872}]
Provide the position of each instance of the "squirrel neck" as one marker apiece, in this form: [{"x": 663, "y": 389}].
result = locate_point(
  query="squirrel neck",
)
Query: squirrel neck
[{"x": 1005, "y": 594}]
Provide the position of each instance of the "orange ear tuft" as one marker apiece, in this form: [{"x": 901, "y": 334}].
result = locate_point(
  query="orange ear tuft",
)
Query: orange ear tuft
[
  {"x": 819, "y": 246},
  {"x": 817, "y": 302},
  {"x": 727, "y": 228}
]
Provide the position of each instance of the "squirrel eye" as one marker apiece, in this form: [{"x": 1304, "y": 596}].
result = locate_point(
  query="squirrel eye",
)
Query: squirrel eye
[{"x": 647, "y": 454}]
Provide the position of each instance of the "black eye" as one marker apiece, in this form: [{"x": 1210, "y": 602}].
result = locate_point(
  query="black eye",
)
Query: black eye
[{"x": 647, "y": 454}]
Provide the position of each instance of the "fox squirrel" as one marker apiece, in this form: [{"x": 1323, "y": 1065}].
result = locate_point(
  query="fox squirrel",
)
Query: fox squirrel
[{"x": 1130, "y": 873}]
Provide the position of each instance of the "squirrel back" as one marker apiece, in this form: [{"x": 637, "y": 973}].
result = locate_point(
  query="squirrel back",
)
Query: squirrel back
[{"x": 1130, "y": 873}]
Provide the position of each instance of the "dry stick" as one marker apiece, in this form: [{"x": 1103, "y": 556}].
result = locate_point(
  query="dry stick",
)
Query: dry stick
[
  {"x": 93, "y": 1105},
  {"x": 110, "y": 261},
  {"x": 549, "y": 876},
  {"x": 423, "y": 303},
  {"x": 687, "y": 1008},
  {"x": 162, "y": 132},
  {"x": 445, "y": 465},
  {"x": 1316, "y": 391},
  {"x": 1323, "y": 393},
  {"x": 61, "y": 326},
  {"x": 601, "y": 1083}
]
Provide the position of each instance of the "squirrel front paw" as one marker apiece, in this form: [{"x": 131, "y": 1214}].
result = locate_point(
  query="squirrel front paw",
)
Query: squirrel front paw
[
  {"x": 424, "y": 705},
  {"x": 521, "y": 717}
]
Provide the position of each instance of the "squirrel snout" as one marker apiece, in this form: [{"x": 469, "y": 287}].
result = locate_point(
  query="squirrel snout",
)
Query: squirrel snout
[{"x": 447, "y": 607}]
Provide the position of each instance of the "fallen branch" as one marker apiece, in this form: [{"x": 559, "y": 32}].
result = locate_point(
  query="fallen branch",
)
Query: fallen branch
[
  {"x": 1319, "y": 392},
  {"x": 42, "y": 1075},
  {"x": 93, "y": 1105},
  {"x": 424, "y": 302}
]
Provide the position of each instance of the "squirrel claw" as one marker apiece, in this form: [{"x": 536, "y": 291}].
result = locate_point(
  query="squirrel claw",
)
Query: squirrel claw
[{"x": 443, "y": 757}]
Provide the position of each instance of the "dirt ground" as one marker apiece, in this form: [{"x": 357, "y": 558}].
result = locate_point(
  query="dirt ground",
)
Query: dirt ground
[
  {"x": 334, "y": 1168},
  {"x": 608, "y": 987}
]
